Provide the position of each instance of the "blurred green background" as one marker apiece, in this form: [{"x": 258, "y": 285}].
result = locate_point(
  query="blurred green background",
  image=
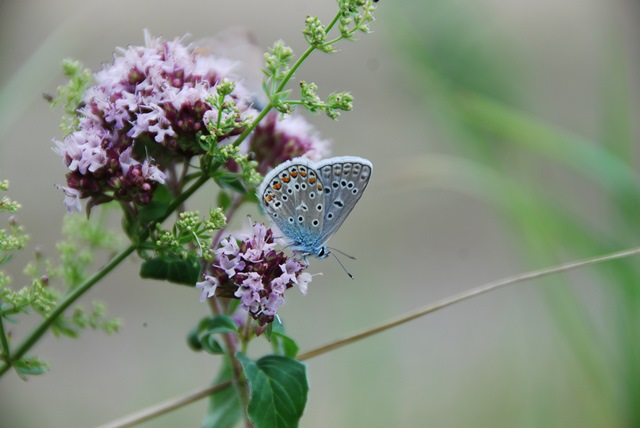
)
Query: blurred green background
[{"x": 502, "y": 134}]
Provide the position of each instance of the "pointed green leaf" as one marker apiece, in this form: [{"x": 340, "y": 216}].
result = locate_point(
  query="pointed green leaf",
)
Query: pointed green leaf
[
  {"x": 173, "y": 269},
  {"x": 229, "y": 180},
  {"x": 30, "y": 366},
  {"x": 280, "y": 342},
  {"x": 224, "y": 200},
  {"x": 278, "y": 387},
  {"x": 212, "y": 345},
  {"x": 157, "y": 207},
  {"x": 203, "y": 337}
]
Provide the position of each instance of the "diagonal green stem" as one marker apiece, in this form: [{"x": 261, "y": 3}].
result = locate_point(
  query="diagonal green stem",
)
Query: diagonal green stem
[
  {"x": 5, "y": 351},
  {"x": 70, "y": 298},
  {"x": 44, "y": 325}
]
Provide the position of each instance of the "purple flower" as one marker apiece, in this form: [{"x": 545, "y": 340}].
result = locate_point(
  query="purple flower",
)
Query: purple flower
[
  {"x": 71, "y": 198},
  {"x": 251, "y": 270},
  {"x": 276, "y": 140},
  {"x": 150, "y": 99},
  {"x": 208, "y": 287}
]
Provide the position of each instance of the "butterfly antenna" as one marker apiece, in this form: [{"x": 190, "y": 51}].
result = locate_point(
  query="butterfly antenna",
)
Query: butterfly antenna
[
  {"x": 343, "y": 253},
  {"x": 340, "y": 263},
  {"x": 279, "y": 320}
]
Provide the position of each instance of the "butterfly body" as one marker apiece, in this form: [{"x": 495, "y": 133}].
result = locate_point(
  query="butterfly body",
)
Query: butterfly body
[{"x": 309, "y": 201}]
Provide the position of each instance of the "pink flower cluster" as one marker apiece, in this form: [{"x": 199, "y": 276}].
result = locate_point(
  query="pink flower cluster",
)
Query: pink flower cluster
[
  {"x": 142, "y": 114},
  {"x": 250, "y": 269}
]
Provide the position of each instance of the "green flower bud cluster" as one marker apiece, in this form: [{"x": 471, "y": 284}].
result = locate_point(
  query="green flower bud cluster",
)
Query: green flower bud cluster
[
  {"x": 353, "y": 16},
  {"x": 225, "y": 118},
  {"x": 70, "y": 95},
  {"x": 76, "y": 254},
  {"x": 190, "y": 234}
]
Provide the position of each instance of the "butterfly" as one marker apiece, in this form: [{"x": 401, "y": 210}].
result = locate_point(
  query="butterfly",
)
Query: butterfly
[{"x": 309, "y": 201}]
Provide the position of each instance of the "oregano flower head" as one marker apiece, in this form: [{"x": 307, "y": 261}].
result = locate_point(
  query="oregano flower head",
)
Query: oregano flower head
[
  {"x": 145, "y": 112},
  {"x": 276, "y": 140},
  {"x": 251, "y": 270}
]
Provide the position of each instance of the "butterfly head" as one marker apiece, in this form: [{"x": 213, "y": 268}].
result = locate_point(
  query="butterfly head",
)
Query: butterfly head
[{"x": 320, "y": 252}]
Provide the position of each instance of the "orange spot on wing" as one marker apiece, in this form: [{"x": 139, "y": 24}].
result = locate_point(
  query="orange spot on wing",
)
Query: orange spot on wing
[
  {"x": 268, "y": 198},
  {"x": 294, "y": 174},
  {"x": 303, "y": 173},
  {"x": 312, "y": 180},
  {"x": 286, "y": 179},
  {"x": 276, "y": 186},
  {"x": 320, "y": 187}
]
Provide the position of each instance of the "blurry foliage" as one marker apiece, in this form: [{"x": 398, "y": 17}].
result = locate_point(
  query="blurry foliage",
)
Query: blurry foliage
[
  {"x": 76, "y": 253},
  {"x": 471, "y": 86}
]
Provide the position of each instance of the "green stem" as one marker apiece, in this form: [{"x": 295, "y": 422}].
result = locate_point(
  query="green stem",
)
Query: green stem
[
  {"x": 253, "y": 125},
  {"x": 42, "y": 328},
  {"x": 3, "y": 341},
  {"x": 293, "y": 69},
  {"x": 69, "y": 299},
  {"x": 333, "y": 21},
  {"x": 36, "y": 334}
]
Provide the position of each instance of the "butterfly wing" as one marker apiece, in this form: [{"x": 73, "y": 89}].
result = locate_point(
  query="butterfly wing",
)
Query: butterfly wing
[
  {"x": 292, "y": 195},
  {"x": 344, "y": 179}
]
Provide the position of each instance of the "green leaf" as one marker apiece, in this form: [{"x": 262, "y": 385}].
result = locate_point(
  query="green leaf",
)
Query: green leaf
[
  {"x": 224, "y": 200},
  {"x": 278, "y": 387},
  {"x": 202, "y": 337},
  {"x": 280, "y": 342},
  {"x": 173, "y": 269},
  {"x": 30, "y": 366},
  {"x": 225, "y": 409},
  {"x": 229, "y": 181},
  {"x": 157, "y": 207},
  {"x": 212, "y": 345},
  {"x": 219, "y": 324},
  {"x": 193, "y": 339},
  {"x": 63, "y": 326}
]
